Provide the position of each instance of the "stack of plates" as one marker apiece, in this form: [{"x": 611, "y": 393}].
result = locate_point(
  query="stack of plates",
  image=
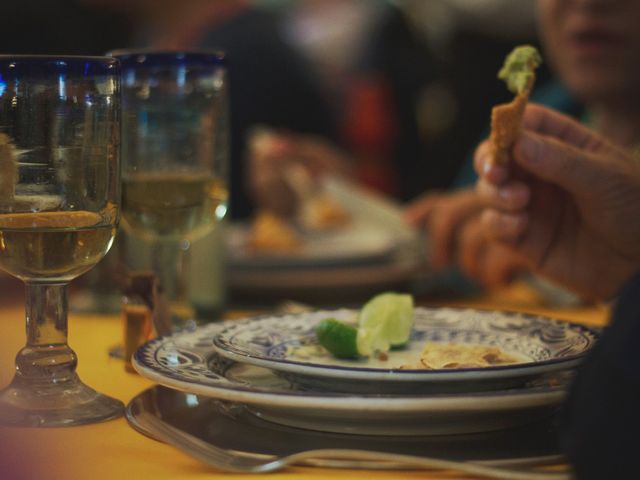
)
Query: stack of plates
[
  {"x": 377, "y": 251},
  {"x": 268, "y": 366}
]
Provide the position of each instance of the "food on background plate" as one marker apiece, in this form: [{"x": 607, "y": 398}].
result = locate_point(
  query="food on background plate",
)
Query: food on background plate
[
  {"x": 311, "y": 208},
  {"x": 519, "y": 74},
  {"x": 321, "y": 213},
  {"x": 316, "y": 209},
  {"x": 271, "y": 233}
]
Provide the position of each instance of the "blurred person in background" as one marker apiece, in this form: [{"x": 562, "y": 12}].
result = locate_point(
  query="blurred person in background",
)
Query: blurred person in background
[
  {"x": 594, "y": 48},
  {"x": 401, "y": 80},
  {"x": 372, "y": 68}
]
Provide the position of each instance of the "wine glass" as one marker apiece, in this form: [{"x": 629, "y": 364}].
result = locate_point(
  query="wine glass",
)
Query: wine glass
[
  {"x": 59, "y": 208},
  {"x": 175, "y": 158}
]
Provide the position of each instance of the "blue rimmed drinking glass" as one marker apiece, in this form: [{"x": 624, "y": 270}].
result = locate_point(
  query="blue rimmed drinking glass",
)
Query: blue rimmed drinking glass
[
  {"x": 175, "y": 157},
  {"x": 59, "y": 208}
]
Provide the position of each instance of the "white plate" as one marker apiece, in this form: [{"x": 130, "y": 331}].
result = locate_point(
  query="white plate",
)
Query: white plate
[
  {"x": 356, "y": 244},
  {"x": 543, "y": 345},
  {"x": 331, "y": 284},
  {"x": 187, "y": 362},
  {"x": 379, "y": 252},
  {"x": 377, "y": 230}
]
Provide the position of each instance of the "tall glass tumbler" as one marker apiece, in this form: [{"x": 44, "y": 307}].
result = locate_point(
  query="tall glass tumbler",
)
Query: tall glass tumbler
[
  {"x": 175, "y": 158},
  {"x": 59, "y": 208}
]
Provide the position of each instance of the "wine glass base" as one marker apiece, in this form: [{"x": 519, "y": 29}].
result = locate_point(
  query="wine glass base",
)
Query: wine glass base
[{"x": 65, "y": 404}]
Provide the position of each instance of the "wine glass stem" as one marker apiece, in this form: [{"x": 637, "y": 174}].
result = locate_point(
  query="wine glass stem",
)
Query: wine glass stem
[
  {"x": 170, "y": 258},
  {"x": 46, "y": 356}
]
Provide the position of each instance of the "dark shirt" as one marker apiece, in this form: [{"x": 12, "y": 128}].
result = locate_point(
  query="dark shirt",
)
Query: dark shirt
[{"x": 601, "y": 421}]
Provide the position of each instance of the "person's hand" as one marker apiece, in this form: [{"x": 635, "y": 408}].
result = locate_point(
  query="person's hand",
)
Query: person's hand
[
  {"x": 487, "y": 263},
  {"x": 442, "y": 214},
  {"x": 456, "y": 237},
  {"x": 569, "y": 202},
  {"x": 285, "y": 167}
]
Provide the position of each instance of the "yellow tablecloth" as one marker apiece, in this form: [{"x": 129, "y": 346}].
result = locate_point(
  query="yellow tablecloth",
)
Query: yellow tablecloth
[{"x": 112, "y": 450}]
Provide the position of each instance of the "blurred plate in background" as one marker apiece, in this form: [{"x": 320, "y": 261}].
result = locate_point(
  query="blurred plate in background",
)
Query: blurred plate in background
[{"x": 377, "y": 252}]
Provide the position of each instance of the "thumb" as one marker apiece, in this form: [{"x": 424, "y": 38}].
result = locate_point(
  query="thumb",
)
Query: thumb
[{"x": 557, "y": 162}]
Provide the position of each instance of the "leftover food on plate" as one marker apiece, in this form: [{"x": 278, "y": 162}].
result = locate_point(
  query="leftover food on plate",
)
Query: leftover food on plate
[
  {"x": 519, "y": 74},
  {"x": 529, "y": 346},
  {"x": 385, "y": 321},
  {"x": 438, "y": 356},
  {"x": 338, "y": 338}
]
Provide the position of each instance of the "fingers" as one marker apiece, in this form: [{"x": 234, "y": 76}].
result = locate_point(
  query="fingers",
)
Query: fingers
[
  {"x": 551, "y": 146},
  {"x": 559, "y": 163},
  {"x": 442, "y": 235},
  {"x": 504, "y": 227},
  {"x": 551, "y": 123},
  {"x": 444, "y": 222},
  {"x": 471, "y": 250},
  {"x": 419, "y": 211},
  {"x": 502, "y": 265},
  {"x": 486, "y": 168},
  {"x": 442, "y": 215},
  {"x": 488, "y": 263},
  {"x": 511, "y": 196}
]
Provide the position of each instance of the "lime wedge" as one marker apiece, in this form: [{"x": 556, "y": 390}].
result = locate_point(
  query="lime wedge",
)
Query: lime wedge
[
  {"x": 385, "y": 321},
  {"x": 338, "y": 338}
]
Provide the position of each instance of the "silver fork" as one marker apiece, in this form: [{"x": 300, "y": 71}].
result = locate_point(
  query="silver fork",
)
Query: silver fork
[{"x": 243, "y": 462}]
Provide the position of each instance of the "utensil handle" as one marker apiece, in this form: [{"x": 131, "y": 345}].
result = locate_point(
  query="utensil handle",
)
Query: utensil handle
[{"x": 323, "y": 458}]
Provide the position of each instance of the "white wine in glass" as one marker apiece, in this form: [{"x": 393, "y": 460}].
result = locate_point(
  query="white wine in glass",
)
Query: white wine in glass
[
  {"x": 53, "y": 246},
  {"x": 173, "y": 204},
  {"x": 59, "y": 209},
  {"x": 175, "y": 158}
]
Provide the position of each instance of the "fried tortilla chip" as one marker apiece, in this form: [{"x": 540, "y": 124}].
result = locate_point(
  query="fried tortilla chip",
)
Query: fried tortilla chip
[
  {"x": 519, "y": 74},
  {"x": 505, "y": 125}
]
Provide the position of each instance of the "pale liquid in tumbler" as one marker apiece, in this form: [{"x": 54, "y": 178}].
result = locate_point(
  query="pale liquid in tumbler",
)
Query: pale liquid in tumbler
[{"x": 172, "y": 204}]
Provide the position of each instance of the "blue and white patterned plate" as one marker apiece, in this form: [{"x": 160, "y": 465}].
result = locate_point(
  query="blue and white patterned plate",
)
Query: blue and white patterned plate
[
  {"x": 186, "y": 361},
  {"x": 285, "y": 344}
]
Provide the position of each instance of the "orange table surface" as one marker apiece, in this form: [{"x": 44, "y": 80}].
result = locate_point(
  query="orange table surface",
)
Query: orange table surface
[{"x": 112, "y": 450}]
